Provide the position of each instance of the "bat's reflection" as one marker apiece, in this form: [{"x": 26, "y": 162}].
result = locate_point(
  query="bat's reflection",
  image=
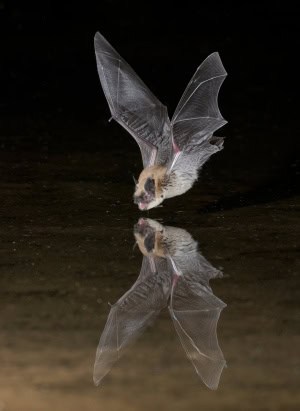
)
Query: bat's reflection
[{"x": 174, "y": 275}]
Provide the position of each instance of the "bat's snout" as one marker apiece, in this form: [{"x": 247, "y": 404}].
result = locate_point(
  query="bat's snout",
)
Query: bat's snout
[
  {"x": 141, "y": 202},
  {"x": 137, "y": 199}
]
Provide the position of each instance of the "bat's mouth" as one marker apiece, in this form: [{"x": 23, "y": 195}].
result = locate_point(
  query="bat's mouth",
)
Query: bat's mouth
[
  {"x": 141, "y": 227},
  {"x": 147, "y": 233},
  {"x": 143, "y": 201},
  {"x": 142, "y": 205}
]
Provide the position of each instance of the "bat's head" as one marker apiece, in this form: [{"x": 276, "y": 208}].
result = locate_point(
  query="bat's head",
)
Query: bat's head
[
  {"x": 149, "y": 190},
  {"x": 149, "y": 236},
  {"x": 155, "y": 239}
]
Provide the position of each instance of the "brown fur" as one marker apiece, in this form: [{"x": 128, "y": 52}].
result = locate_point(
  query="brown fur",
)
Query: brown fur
[
  {"x": 158, "y": 173},
  {"x": 159, "y": 248}
]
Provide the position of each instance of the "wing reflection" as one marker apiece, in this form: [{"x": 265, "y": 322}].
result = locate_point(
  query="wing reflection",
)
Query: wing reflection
[{"x": 175, "y": 275}]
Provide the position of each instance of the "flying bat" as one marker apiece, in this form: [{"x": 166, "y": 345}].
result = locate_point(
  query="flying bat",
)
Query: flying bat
[
  {"x": 176, "y": 276},
  {"x": 173, "y": 151}
]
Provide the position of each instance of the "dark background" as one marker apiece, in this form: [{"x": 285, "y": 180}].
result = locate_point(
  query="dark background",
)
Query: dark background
[{"x": 51, "y": 100}]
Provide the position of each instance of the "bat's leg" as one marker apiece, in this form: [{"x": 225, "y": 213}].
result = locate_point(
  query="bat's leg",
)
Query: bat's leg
[
  {"x": 175, "y": 148},
  {"x": 175, "y": 278},
  {"x": 176, "y": 153},
  {"x": 176, "y": 272}
]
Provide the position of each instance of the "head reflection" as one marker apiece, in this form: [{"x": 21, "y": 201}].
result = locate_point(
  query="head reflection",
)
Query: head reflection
[{"x": 174, "y": 275}]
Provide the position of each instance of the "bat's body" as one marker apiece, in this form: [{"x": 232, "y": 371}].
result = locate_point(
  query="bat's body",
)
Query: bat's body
[{"x": 172, "y": 151}]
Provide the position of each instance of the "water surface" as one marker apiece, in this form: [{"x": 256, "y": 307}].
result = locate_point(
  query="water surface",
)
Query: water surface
[{"x": 67, "y": 251}]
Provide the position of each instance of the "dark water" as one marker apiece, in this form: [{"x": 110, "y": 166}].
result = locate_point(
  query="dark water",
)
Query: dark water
[{"x": 67, "y": 250}]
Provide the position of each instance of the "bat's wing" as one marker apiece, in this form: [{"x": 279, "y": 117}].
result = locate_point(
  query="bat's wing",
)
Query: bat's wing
[
  {"x": 197, "y": 116},
  {"x": 133, "y": 105},
  {"x": 195, "y": 312},
  {"x": 131, "y": 314},
  {"x": 194, "y": 266}
]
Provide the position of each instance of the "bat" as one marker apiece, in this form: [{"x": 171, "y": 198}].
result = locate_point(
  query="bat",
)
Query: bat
[
  {"x": 173, "y": 151},
  {"x": 176, "y": 276}
]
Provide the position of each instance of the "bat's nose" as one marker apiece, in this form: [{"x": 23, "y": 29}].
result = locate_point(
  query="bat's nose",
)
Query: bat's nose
[
  {"x": 136, "y": 199},
  {"x": 140, "y": 201}
]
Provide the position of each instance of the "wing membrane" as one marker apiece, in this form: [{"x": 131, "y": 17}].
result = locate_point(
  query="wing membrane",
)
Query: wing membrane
[
  {"x": 197, "y": 115},
  {"x": 195, "y": 312},
  {"x": 131, "y": 314},
  {"x": 133, "y": 105}
]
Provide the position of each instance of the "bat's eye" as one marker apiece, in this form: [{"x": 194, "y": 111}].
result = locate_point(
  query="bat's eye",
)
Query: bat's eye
[{"x": 150, "y": 185}]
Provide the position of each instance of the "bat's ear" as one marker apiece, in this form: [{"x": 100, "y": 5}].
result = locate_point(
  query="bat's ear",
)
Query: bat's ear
[
  {"x": 135, "y": 180},
  {"x": 150, "y": 185}
]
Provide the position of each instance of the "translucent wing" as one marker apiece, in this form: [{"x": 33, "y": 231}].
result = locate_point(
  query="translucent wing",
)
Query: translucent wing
[
  {"x": 195, "y": 154},
  {"x": 131, "y": 314},
  {"x": 197, "y": 115},
  {"x": 188, "y": 261},
  {"x": 195, "y": 312},
  {"x": 133, "y": 105}
]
